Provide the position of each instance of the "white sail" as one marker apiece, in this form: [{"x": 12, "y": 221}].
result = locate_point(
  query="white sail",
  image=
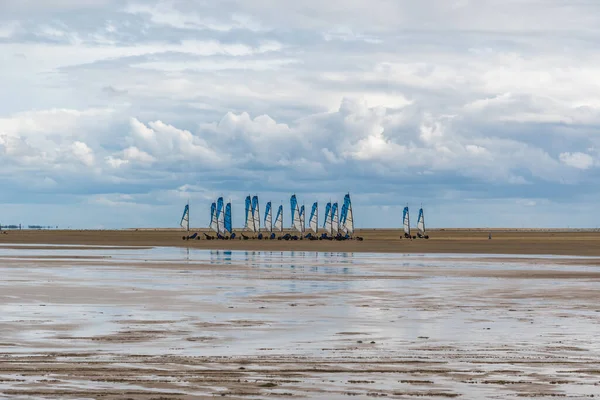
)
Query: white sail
[
  {"x": 269, "y": 217},
  {"x": 220, "y": 216},
  {"x": 350, "y": 221},
  {"x": 421, "y": 222},
  {"x": 249, "y": 225},
  {"x": 185, "y": 219},
  {"x": 314, "y": 218},
  {"x": 328, "y": 227},
  {"x": 296, "y": 217},
  {"x": 406, "y": 221},
  {"x": 302, "y": 219},
  {"x": 255, "y": 214},
  {"x": 213, "y": 218},
  {"x": 335, "y": 222},
  {"x": 279, "y": 220},
  {"x": 349, "y": 217}
]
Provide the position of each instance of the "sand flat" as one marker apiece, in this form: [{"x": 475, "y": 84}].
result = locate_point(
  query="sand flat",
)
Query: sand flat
[
  {"x": 472, "y": 241},
  {"x": 177, "y": 323}
]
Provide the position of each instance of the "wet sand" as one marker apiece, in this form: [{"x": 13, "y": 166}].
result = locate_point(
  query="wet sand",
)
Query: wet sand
[
  {"x": 176, "y": 323},
  {"x": 473, "y": 241}
]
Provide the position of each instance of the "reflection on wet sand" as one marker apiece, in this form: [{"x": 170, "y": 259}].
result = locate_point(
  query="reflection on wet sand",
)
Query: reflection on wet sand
[{"x": 173, "y": 323}]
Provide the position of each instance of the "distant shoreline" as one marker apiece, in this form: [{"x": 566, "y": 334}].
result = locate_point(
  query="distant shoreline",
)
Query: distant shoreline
[{"x": 573, "y": 242}]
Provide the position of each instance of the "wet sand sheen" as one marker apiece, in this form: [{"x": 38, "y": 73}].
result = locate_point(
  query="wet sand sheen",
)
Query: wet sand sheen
[{"x": 171, "y": 324}]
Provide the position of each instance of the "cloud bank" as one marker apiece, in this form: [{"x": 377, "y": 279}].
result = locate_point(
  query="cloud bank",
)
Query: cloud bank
[{"x": 113, "y": 114}]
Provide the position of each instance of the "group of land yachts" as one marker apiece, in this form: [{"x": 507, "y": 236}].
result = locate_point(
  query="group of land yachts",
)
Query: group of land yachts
[{"x": 335, "y": 227}]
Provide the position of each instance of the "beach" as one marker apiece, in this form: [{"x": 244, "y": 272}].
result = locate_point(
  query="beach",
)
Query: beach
[
  {"x": 86, "y": 321},
  {"x": 473, "y": 241}
]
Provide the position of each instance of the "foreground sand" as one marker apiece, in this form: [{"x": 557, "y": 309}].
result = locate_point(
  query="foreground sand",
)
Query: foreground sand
[
  {"x": 178, "y": 324},
  {"x": 379, "y": 241}
]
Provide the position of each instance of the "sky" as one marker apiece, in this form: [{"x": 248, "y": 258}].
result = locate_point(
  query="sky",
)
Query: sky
[{"x": 114, "y": 113}]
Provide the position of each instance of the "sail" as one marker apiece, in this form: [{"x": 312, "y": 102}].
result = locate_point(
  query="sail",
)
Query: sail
[
  {"x": 220, "y": 216},
  {"x": 342, "y": 224},
  {"x": 302, "y": 219},
  {"x": 406, "y": 221},
  {"x": 268, "y": 217},
  {"x": 314, "y": 218},
  {"x": 327, "y": 224},
  {"x": 348, "y": 219},
  {"x": 185, "y": 219},
  {"x": 249, "y": 225},
  {"x": 421, "y": 222},
  {"x": 335, "y": 223},
  {"x": 296, "y": 217},
  {"x": 255, "y": 214},
  {"x": 228, "y": 218},
  {"x": 279, "y": 219},
  {"x": 213, "y": 217}
]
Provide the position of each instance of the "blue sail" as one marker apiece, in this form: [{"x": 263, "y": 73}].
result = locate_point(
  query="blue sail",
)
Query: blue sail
[
  {"x": 228, "y": 218},
  {"x": 313, "y": 222},
  {"x": 186, "y": 211},
  {"x": 302, "y": 211},
  {"x": 406, "y": 221},
  {"x": 343, "y": 214},
  {"x": 248, "y": 210},
  {"x": 279, "y": 219},
  {"x": 345, "y": 209},
  {"x": 327, "y": 215},
  {"x": 267, "y": 211},
  {"x": 255, "y": 212},
  {"x": 313, "y": 211},
  {"x": 220, "y": 216},
  {"x": 213, "y": 209},
  {"x": 219, "y": 207},
  {"x": 293, "y": 204}
]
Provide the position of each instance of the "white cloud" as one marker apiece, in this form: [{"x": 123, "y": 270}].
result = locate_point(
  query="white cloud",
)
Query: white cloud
[
  {"x": 163, "y": 13},
  {"x": 7, "y": 29},
  {"x": 162, "y": 141},
  {"x": 83, "y": 153},
  {"x": 130, "y": 155},
  {"x": 577, "y": 160},
  {"x": 177, "y": 98}
]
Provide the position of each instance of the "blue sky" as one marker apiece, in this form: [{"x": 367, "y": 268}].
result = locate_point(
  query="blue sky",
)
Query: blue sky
[{"x": 114, "y": 113}]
